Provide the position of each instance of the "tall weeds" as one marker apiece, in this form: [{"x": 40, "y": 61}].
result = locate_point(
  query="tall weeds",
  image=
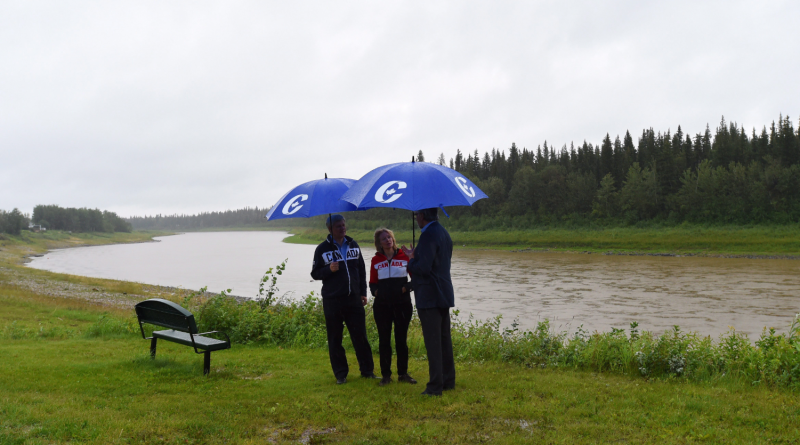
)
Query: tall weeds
[{"x": 774, "y": 359}]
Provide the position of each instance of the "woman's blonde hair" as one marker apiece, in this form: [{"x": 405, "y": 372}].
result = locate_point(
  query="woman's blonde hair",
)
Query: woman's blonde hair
[{"x": 378, "y": 234}]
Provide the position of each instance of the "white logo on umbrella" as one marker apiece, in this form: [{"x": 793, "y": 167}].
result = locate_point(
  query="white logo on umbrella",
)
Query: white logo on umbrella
[
  {"x": 462, "y": 184},
  {"x": 292, "y": 206},
  {"x": 388, "y": 190}
]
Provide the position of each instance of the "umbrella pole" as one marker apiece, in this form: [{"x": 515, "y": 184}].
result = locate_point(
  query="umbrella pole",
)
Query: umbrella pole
[
  {"x": 413, "y": 233},
  {"x": 329, "y": 215}
]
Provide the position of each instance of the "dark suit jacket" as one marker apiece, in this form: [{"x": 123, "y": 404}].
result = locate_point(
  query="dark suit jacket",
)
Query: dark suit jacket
[{"x": 430, "y": 269}]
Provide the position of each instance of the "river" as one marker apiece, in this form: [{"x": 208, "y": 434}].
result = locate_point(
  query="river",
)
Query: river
[{"x": 703, "y": 294}]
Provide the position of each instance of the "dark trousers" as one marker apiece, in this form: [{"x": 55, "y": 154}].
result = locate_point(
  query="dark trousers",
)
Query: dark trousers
[
  {"x": 436, "y": 332},
  {"x": 350, "y": 312},
  {"x": 400, "y": 316}
]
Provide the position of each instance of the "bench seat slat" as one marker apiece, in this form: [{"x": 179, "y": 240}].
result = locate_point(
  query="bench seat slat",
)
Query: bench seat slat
[{"x": 205, "y": 343}]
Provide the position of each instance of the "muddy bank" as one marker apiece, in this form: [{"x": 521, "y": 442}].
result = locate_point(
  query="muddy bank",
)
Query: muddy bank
[
  {"x": 55, "y": 287},
  {"x": 29, "y": 257}
]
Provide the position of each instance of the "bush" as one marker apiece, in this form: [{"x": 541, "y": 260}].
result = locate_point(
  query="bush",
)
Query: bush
[
  {"x": 772, "y": 360},
  {"x": 276, "y": 321}
]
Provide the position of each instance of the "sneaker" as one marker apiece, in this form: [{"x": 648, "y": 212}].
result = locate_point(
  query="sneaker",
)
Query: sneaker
[
  {"x": 385, "y": 381},
  {"x": 341, "y": 381},
  {"x": 407, "y": 378}
]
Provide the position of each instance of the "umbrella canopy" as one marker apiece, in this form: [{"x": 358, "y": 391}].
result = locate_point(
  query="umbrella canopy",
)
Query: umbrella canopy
[
  {"x": 314, "y": 198},
  {"x": 413, "y": 186}
]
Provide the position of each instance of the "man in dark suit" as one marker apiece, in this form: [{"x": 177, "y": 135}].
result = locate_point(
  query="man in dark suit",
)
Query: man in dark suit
[{"x": 429, "y": 264}]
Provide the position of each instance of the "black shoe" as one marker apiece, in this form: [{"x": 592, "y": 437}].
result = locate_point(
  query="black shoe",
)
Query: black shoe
[
  {"x": 431, "y": 393},
  {"x": 341, "y": 381},
  {"x": 370, "y": 376},
  {"x": 407, "y": 378},
  {"x": 385, "y": 381}
]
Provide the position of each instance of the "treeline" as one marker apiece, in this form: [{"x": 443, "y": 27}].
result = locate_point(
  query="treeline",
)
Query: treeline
[
  {"x": 53, "y": 217},
  {"x": 13, "y": 222},
  {"x": 723, "y": 177},
  {"x": 247, "y": 217}
]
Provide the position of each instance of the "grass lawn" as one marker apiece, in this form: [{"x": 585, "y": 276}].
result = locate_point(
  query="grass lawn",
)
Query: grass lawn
[
  {"x": 67, "y": 379},
  {"x": 75, "y": 371}
]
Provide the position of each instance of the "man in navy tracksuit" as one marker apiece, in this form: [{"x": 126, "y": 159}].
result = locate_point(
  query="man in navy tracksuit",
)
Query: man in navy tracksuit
[
  {"x": 339, "y": 264},
  {"x": 429, "y": 265}
]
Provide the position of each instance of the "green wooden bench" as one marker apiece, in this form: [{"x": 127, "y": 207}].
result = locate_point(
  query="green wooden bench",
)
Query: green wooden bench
[{"x": 182, "y": 329}]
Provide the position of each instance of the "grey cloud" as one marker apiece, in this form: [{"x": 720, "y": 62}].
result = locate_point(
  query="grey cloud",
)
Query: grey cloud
[{"x": 145, "y": 107}]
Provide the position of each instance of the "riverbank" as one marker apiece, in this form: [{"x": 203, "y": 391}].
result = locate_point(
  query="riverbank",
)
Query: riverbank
[
  {"x": 688, "y": 240},
  {"x": 701, "y": 294},
  {"x": 15, "y": 251},
  {"x": 14, "y": 248}
]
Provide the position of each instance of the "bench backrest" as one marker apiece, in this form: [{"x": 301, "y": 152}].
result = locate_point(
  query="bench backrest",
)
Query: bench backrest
[{"x": 167, "y": 314}]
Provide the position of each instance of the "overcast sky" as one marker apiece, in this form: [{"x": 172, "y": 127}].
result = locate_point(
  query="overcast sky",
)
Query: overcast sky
[{"x": 187, "y": 106}]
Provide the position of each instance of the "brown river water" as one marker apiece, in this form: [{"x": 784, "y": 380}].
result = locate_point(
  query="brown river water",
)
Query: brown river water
[{"x": 702, "y": 294}]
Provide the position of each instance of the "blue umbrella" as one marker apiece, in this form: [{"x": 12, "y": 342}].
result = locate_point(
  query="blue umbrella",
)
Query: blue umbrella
[
  {"x": 413, "y": 186},
  {"x": 313, "y": 198}
]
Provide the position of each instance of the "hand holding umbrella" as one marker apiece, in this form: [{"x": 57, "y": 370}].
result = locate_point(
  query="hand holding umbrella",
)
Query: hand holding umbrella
[{"x": 409, "y": 252}]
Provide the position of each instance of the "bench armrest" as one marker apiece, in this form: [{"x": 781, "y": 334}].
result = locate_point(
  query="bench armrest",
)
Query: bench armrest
[
  {"x": 141, "y": 328},
  {"x": 192, "y": 336},
  {"x": 228, "y": 339}
]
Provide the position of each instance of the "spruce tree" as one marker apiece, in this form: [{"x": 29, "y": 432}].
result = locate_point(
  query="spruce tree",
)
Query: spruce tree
[
  {"x": 606, "y": 157},
  {"x": 605, "y": 204}
]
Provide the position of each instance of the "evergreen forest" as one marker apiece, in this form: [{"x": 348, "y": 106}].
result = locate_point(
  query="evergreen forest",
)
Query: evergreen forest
[
  {"x": 723, "y": 177},
  {"x": 53, "y": 217},
  {"x": 13, "y": 222}
]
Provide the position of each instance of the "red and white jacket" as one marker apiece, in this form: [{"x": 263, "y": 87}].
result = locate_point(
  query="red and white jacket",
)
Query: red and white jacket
[{"x": 388, "y": 278}]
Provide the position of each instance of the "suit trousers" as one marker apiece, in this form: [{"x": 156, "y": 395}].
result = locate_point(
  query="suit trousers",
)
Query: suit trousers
[
  {"x": 350, "y": 312},
  {"x": 436, "y": 332},
  {"x": 399, "y": 315}
]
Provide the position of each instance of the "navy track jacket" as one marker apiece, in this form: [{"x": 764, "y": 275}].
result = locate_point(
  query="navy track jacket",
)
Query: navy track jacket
[{"x": 351, "y": 278}]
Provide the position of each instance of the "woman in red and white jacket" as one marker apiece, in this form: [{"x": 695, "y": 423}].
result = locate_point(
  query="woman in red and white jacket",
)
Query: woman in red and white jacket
[{"x": 388, "y": 282}]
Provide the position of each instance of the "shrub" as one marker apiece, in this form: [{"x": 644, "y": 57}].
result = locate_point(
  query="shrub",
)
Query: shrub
[{"x": 774, "y": 359}]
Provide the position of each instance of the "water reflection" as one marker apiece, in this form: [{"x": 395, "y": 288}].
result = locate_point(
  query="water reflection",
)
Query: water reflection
[
  {"x": 599, "y": 292},
  {"x": 700, "y": 294},
  {"x": 219, "y": 260}
]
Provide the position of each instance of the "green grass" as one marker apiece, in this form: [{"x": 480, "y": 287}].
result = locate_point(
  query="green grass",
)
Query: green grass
[
  {"x": 74, "y": 371},
  {"x": 106, "y": 389},
  {"x": 681, "y": 239}
]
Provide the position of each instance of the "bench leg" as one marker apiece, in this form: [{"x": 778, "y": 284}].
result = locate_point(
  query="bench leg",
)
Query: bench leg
[
  {"x": 206, "y": 362},
  {"x": 153, "y": 347}
]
